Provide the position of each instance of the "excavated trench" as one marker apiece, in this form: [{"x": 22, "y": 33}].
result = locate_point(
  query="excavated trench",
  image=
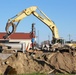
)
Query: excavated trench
[{"x": 10, "y": 70}]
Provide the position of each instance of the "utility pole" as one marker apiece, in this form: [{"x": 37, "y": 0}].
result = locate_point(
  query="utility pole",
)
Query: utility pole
[
  {"x": 33, "y": 35},
  {"x": 38, "y": 36},
  {"x": 48, "y": 39},
  {"x": 69, "y": 37}
]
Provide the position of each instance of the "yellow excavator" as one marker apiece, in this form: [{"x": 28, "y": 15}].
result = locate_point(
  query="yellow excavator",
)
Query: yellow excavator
[{"x": 40, "y": 15}]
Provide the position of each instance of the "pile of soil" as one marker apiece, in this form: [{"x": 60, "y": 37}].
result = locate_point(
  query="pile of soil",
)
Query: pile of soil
[
  {"x": 63, "y": 62},
  {"x": 20, "y": 63}
]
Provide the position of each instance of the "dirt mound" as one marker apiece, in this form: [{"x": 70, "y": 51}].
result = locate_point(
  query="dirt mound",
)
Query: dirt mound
[
  {"x": 20, "y": 63},
  {"x": 25, "y": 63},
  {"x": 62, "y": 62}
]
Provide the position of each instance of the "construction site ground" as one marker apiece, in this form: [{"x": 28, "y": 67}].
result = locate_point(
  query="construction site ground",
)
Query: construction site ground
[{"x": 38, "y": 61}]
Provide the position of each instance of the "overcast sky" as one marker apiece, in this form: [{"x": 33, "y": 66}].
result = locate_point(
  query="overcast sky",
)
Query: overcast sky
[{"x": 62, "y": 12}]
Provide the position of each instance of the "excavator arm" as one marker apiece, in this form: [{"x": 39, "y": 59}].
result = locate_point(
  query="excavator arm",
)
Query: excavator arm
[
  {"x": 22, "y": 14},
  {"x": 41, "y": 16}
]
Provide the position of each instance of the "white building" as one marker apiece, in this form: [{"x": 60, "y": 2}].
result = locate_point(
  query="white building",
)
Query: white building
[{"x": 18, "y": 37}]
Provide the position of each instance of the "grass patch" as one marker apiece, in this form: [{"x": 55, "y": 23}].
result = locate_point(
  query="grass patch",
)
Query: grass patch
[
  {"x": 35, "y": 74},
  {"x": 65, "y": 74},
  {"x": 30, "y": 74}
]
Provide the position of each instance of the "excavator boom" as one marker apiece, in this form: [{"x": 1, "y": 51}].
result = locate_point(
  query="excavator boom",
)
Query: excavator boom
[{"x": 48, "y": 22}]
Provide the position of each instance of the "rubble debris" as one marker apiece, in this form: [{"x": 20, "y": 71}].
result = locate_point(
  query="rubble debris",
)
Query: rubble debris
[{"x": 42, "y": 62}]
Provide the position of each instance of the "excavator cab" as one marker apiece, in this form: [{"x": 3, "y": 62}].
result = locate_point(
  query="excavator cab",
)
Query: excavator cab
[{"x": 61, "y": 41}]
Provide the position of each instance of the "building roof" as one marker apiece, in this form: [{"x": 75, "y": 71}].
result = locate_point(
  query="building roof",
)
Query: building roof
[{"x": 17, "y": 35}]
